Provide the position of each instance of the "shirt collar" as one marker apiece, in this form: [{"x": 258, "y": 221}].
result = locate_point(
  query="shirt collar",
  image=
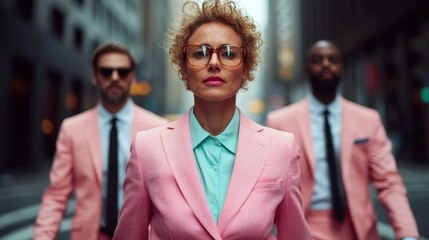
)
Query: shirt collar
[
  {"x": 228, "y": 138},
  {"x": 124, "y": 115},
  {"x": 317, "y": 106}
]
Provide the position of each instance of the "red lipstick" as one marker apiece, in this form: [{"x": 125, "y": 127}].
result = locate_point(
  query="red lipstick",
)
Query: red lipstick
[{"x": 214, "y": 81}]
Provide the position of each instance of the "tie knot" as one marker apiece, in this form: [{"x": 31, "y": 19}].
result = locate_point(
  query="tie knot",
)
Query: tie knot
[
  {"x": 113, "y": 120},
  {"x": 326, "y": 112}
]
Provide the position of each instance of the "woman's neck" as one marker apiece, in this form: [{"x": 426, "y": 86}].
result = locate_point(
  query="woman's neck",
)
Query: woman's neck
[{"x": 214, "y": 117}]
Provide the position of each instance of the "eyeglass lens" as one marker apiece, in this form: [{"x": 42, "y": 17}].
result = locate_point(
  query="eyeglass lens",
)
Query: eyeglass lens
[
  {"x": 107, "y": 72},
  {"x": 199, "y": 55}
]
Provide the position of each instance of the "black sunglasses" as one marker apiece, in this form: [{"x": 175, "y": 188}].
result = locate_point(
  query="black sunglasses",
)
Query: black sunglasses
[{"x": 107, "y": 72}]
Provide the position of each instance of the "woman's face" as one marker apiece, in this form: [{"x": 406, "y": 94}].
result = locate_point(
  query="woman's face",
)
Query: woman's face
[{"x": 215, "y": 81}]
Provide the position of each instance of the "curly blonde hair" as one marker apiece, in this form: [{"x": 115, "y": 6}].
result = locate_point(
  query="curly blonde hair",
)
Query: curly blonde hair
[{"x": 226, "y": 12}]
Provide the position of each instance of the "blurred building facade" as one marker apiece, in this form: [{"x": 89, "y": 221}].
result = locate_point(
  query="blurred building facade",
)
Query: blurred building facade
[
  {"x": 45, "y": 59},
  {"x": 385, "y": 47},
  {"x": 46, "y": 48}
]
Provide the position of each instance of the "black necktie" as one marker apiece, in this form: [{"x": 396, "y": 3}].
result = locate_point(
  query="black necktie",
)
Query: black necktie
[
  {"x": 337, "y": 190},
  {"x": 112, "y": 180}
]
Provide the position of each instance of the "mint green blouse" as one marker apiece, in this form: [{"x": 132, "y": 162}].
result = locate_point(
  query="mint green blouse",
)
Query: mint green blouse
[{"x": 215, "y": 160}]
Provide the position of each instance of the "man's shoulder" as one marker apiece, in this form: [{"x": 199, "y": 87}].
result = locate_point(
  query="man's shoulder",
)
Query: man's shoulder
[
  {"x": 147, "y": 115},
  {"x": 83, "y": 116},
  {"x": 268, "y": 131},
  {"x": 77, "y": 122},
  {"x": 289, "y": 110},
  {"x": 359, "y": 109}
]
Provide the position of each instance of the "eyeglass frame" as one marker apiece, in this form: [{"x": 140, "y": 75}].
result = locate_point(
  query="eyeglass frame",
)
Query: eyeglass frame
[{"x": 213, "y": 50}]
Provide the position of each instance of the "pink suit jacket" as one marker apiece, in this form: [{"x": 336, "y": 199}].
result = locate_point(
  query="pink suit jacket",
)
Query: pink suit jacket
[
  {"x": 163, "y": 188},
  {"x": 365, "y": 158},
  {"x": 78, "y": 167}
]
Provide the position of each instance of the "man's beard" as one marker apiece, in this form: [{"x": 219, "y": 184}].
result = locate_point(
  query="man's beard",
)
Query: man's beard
[
  {"x": 116, "y": 100},
  {"x": 325, "y": 85}
]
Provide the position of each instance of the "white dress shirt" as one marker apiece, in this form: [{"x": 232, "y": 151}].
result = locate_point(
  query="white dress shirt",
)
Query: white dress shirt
[
  {"x": 321, "y": 198},
  {"x": 124, "y": 120}
]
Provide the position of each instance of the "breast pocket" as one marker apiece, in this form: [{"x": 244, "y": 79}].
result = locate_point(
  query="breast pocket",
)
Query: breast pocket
[{"x": 360, "y": 141}]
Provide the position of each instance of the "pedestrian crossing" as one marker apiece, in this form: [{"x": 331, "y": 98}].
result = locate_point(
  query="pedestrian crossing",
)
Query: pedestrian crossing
[
  {"x": 26, "y": 233},
  {"x": 25, "y": 214},
  {"x": 417, "y": 182}
]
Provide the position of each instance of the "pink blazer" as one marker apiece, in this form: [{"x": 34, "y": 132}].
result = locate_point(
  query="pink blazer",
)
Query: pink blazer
[
  {"x": 163, "y": 189},
  {"x": 366, "y": 158},
  {"x": 78, "y": 167}
]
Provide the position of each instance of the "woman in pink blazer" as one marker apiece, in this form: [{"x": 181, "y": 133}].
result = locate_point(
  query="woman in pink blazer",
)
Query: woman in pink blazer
[{"x": 213, "y": 173}]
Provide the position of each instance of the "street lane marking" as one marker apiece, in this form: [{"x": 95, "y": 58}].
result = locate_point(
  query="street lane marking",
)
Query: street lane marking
[
  {"x": 386, "y": 231},
  {"x": 26, "y": 233},
  {"x": 26, "y": 213}
]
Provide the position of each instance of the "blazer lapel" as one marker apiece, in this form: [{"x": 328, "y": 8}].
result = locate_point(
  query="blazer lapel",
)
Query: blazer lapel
[
  {"x": 180, "y": 156},
  {"x": 92, "y": 138},
  {"x": 251, "y": 155}
]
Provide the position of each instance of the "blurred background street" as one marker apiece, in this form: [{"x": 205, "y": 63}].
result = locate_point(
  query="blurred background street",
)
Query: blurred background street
[{"x": 45, "y": 72}]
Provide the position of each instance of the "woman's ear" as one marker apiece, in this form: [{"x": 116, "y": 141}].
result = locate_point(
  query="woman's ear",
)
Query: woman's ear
[{"x": 245, "y": 75}]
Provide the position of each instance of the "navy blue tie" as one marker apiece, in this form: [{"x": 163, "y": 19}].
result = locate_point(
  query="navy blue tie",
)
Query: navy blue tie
[
  {"x": 112, "y": 182},
  {"x": 337, "y": 189}
]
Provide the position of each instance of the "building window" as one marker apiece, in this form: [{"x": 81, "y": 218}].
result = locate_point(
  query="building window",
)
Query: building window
[
  {"x": 79, "y": 2},
  {"x": 51, "y": 122},
  {"x": 74, "y": 98},
  {"x": 25, "y": 9},
  {"x": 57, "y": 22},
  {"x": 21, "y": 94},
  {"x": 77, "y": 37}
]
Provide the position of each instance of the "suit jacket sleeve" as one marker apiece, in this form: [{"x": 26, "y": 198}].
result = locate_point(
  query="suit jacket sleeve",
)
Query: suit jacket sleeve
[
  {"x": 56, "y": 196},
  {"x": 290, "y": 220},
  {"x": 389, "y": 184},
  {"x": 136, "y": 210}
]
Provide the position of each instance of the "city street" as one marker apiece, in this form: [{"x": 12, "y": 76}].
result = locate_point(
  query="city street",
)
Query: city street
[
  {"x": 20, "y": 197},
  {"x": 52, "y": 69}
]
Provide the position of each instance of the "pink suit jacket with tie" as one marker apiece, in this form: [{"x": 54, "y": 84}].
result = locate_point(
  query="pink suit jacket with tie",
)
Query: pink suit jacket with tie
[
  {"x": 77, "y": 167},
  {"x": 163, "y": 188},
  {"x": 365, "y": 157}
]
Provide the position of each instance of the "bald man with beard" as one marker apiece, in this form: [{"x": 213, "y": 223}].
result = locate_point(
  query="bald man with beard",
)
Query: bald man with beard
[{"x": 344, "y": 149}]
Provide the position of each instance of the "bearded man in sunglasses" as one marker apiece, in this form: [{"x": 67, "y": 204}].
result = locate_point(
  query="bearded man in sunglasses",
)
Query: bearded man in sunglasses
[{"x": 91, "y": 152}]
